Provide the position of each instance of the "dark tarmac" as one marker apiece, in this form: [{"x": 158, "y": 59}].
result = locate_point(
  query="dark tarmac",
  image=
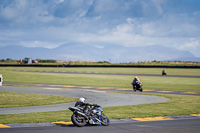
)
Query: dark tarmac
[{"x": 166, "y": 126}]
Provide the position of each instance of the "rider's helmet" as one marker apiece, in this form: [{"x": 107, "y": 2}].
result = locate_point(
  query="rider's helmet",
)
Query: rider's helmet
[
  {"x": 136, "y": 78},
  {"x": 81, "y": 100}
]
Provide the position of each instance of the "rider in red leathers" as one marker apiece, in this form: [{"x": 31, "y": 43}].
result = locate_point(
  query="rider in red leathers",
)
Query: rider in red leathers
[{"x": 135, "y": 83}]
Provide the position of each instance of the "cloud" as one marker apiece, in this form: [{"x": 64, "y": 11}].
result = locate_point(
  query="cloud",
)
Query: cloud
[
  {"x": 36, "y": 43},
  {"x": 158, "y": 5},
  {"x": 60, "y": 1},
  {"x": 133, "y": 23},
  {"x": 193, "y": 44}
]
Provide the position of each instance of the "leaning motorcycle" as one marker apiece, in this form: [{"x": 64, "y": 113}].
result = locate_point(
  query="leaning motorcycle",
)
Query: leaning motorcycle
[
  {"x": 93, "y": 116},
  {"x": 164, "y": 73},
  {"x": 137, "y": 86}
]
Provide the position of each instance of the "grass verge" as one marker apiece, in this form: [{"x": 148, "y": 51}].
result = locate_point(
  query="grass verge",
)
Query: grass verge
[
  {"x": 11, "y": 99},
  {"x": 116, "y": 81},
  {"x": 158, "y": 71},
  {"x": 177, "y": 105}
]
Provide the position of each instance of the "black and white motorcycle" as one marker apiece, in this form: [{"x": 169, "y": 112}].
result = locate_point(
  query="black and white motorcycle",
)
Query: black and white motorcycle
[{"x": 94, "y": 115}]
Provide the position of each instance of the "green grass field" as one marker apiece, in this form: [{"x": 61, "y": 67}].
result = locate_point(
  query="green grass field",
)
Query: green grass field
[
  {"x": 177, "y": 105},
  {"x": 117, "y": 81},
  {"x": 11, "y": 99},
  {"x": 170, "y": 71}
]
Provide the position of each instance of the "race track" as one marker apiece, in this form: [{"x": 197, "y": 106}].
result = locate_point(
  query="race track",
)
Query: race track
[
  {"x": 98, "y": 97},
  {"x": 184, "y": 124}
]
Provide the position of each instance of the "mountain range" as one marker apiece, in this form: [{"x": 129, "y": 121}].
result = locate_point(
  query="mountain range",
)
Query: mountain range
[{"x": 101, "y": 52}]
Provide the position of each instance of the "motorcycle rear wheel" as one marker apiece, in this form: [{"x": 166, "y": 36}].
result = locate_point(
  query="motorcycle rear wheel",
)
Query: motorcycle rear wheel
[{"x": 78, "y": 120}]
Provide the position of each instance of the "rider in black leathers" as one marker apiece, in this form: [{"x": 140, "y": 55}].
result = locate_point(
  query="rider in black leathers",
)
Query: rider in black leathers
[{"x": 83, "y": 106}]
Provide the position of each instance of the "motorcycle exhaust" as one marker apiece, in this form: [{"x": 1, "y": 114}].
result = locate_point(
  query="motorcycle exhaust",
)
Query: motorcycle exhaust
[{"x": 84, "y": 115}]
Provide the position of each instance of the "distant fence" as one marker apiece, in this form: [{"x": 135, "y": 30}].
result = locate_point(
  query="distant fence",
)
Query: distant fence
[{"x": 130, "y": 66}]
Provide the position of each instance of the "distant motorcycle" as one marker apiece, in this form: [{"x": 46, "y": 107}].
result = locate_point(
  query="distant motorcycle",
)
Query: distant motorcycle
[
  {"x": 94, "y": 116},
  {"x": 137, "y": 86},
  {"x": 164, "y": 72}
]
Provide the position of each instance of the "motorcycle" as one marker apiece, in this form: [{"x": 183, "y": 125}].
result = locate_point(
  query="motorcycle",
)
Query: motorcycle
[
  {"x": 137, "y": 86},
  {"x": 93, "y": 116},
  {"x": 164, "y": 73}
]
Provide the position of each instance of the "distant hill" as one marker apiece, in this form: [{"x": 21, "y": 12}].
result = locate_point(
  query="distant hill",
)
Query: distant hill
[{"x": 111, "y": 53}]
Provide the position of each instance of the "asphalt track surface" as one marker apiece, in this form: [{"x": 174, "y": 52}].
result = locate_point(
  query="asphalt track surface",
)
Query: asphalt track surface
[
  {"x": 167, "y": 126},
  {"x": 102, "y": 88}
]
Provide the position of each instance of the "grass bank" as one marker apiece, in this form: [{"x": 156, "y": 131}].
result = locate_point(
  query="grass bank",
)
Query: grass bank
[
  {"x": 170, "y": 71},
  {"x": 116, "y": 81},
  {"x": 177, "y": 105}
]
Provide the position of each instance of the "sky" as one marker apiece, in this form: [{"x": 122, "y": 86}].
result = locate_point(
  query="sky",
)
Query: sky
[{"x": 129, "y": 23}]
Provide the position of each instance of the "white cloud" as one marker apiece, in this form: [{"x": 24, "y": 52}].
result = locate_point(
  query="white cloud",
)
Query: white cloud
[
  {"x": 82, "y": 14},
  {"x": 60, "y": 1},
  {"x": 36, "y": 43},
  {"x": 130, "y": 20},
  {"x": 192, "y": 45},
  {"x": 98, "y": 46},
  {"x": 125, "y": 35}
]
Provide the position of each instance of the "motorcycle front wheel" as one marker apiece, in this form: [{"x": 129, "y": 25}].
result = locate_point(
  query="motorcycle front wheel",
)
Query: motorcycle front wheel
[
  {"x": 104, "y": 120},
  {"x": 78, "y": 120}
]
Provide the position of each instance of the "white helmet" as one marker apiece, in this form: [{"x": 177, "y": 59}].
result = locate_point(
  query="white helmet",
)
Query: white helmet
[{"x": 81, "y": 100}]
